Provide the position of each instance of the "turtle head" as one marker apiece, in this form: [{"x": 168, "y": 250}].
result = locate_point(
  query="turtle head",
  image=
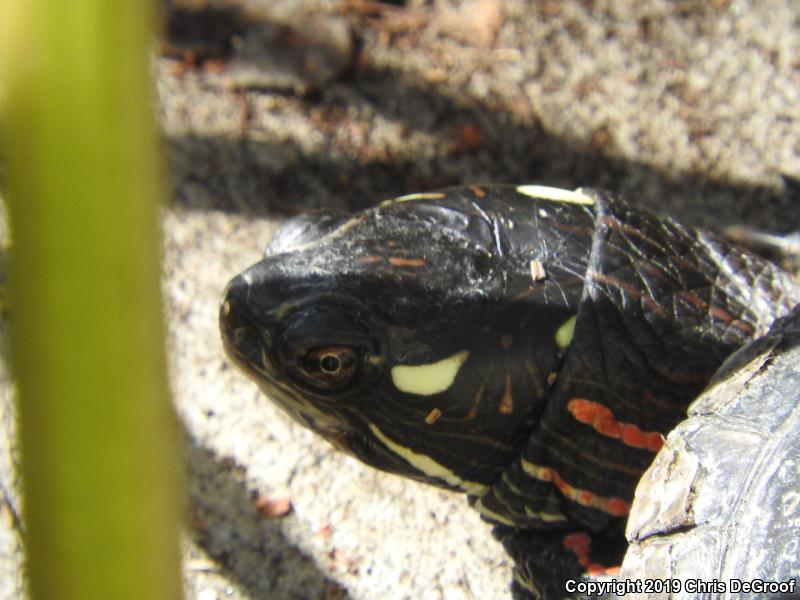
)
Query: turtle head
[{"x": 403, "y": 336}]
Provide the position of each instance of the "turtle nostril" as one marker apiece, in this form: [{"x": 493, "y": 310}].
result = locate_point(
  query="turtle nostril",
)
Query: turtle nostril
[{"x": 233, "y": 311}]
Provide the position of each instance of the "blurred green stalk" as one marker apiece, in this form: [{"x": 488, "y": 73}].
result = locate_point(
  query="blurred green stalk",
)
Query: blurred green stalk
[{"x": 83, "y": 185}]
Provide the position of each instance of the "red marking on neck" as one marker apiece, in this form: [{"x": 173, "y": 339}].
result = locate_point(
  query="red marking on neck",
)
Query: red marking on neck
[
  {"x": 399, "y": 261},
  {"x": 370, "y": 259},
  {"x": 646, "y": 299},
  {"x": 602, "y": 420},
  {"x": 580, "y": 544},
  {"x": 718, "y": 313},
  {"x": 616, "y": 507},
  {"x": 477, "y": 191}
]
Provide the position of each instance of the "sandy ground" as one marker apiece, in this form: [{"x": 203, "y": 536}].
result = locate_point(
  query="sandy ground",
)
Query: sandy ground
[{"x": 270, "y": 108}]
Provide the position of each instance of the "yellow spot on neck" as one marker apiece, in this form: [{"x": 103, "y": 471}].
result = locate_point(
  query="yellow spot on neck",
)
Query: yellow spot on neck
[
  {"x": 425, "y": 464},
  {"x": 565, "y": 332},
  {"x": 543, "y": 192},
  {"x": 426, "y": 380}
]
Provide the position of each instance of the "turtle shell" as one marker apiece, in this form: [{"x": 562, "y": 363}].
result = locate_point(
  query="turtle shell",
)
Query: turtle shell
[{"x": 718, "y": 511}]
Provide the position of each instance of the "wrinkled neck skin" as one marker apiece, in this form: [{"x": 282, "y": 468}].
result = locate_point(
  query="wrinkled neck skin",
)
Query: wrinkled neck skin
[{"x": 421, "y": 336}]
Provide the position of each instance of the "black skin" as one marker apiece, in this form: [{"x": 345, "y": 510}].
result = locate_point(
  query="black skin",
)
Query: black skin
[
  {"x": 337, "y": 303},
  {"x": 335, "y": 295}
]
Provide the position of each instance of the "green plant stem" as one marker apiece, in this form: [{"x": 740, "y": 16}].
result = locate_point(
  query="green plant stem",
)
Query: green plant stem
[{"x": 82, "y": 166}]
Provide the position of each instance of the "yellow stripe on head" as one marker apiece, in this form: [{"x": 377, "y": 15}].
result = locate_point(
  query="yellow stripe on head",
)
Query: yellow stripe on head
[
  {"x": 543, "y": 192},
  {"x": 426, "y": 380},
  {"x": 418, "y": 196},
  {"x": 425, "y": 464}
]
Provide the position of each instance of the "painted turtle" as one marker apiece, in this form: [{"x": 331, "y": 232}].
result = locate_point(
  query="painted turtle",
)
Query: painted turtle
[{"x": 526, "y": 345}]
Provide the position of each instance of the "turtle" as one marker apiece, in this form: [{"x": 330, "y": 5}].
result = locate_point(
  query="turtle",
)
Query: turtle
[
  {"x": 529, "y": 346},
  {"x": 715, "y": 522}
]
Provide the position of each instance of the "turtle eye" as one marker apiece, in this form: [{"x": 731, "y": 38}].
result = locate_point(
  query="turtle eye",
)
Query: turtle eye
[{"x": 332, "y": 367}]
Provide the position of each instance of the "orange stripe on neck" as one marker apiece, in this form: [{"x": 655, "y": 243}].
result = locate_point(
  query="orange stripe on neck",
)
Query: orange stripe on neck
[
  {"x": 580, "y": 544},
  {"x": 616, "y": 507},
  {"x": 602, "y": 420}
]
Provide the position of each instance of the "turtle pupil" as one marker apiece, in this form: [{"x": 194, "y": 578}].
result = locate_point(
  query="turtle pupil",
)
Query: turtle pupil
[
  {"x": 330, "y": 363},
  {"x": 329, "y": 368}
]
